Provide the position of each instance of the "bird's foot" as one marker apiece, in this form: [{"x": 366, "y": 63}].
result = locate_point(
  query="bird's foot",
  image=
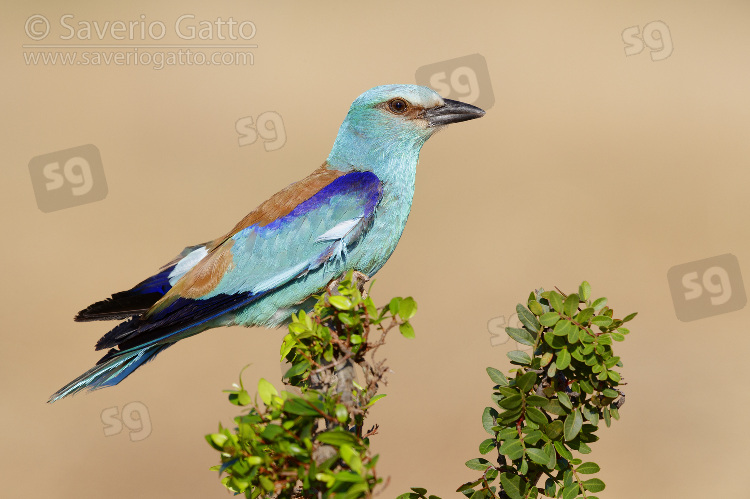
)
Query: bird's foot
[{"x": 358, "y": 278}]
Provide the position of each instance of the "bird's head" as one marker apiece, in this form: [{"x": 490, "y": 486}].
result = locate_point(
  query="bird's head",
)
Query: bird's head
[{"x": 394, "y": 120}]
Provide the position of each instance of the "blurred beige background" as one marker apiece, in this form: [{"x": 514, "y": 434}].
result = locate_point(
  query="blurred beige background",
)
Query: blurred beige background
[{"x": 590, "y": 165}]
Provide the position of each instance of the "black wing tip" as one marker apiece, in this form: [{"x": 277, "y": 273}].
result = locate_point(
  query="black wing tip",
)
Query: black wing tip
[{"x": 120, "y": 306}]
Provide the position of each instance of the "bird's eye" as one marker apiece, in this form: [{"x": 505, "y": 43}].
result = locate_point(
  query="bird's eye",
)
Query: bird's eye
[{"x": 398, "y": 106}]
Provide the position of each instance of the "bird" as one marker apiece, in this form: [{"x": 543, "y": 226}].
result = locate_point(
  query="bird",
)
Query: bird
[{"x": 348, "y": 214}]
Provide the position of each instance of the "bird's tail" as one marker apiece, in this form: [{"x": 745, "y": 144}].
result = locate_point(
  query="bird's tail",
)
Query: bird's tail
[{"x": 109, "y": 371}]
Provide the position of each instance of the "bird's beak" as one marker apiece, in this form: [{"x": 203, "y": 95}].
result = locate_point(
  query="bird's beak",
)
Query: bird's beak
[{"x": 452, "y": 111}]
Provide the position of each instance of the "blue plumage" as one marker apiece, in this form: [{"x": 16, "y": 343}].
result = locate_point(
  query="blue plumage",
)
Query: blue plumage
[{"x": 347, "y": 215}]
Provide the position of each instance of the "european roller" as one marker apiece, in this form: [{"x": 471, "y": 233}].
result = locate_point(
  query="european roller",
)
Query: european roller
[{"x": 346, "y": 215}]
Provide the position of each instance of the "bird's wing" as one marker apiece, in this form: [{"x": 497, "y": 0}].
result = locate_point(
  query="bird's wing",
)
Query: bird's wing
[
  {"x": 144, "y": 295},
  {"x": 260, "y": 255}
]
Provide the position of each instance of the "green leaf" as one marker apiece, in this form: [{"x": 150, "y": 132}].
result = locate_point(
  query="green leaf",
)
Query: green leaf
[
  {"x": 217, "y": 440},
  {"x": 406, "y": 330},
  {"x": 608, "y": 392},
  {"x": 584, "y": 290},
  {"x": 562, "y": 450},
  {"x": 393, "y": 305},
  {"x": 301, "y": 407},
  {"x": 601, "y": 320},
  {"x": 549, "y": 488},
  {"x": 535, "y": 307},
  {"x": 564, "y": 400},
  {"x": 554, "y": 429},
  {"x": 340, "y": 302},
  {"x": 297, "y": 369},
  {"x": 524, "y": 468},
  {"x": 342, "y": 415},
  {"x": 546, "y": 358},
  {"x": 372, "y": 310},
  {"x": 573, "y": 334},
  {"x": 349, "y": 320},
  {"x": 630, "y": 317},
  {"x": 590, "y": 414},
  {"x": 375, "y": 399},
  {"x": 266, "y": 391},
  {"x": 615, "y": 412},
  {"x": 570, "y": 306},
  {"x": 536, "y": 400},
  {"x": 486, "y": 446},
  {"x": 488, "y": 419},
  {"x": 520, "y": 335},
  {"x": 507, "y": 434},
  {"x": 549, "y": 319},
  {"x": 580, "y": 446},
  {"x": 526, "y": 382},
  {"x": 588, "y": 468},
  {"x": 351, "y": 457},
  {"x": 570, "y": 491},
  {"x": 536, "y": 416},
  {"x": 532, "y": 436},
  {"x": 466, "y": 486},
  {"x": 612, "y": 362},
  {"x": 599, "y": 303},
  {"x": 563, "y": 359},
  {"x": 513, "y": 485},
  {"x": 537, "y": 455},
  {"x": 243, "y": 398},
  {"x": 555, "y": 300},
  {"x": 478, "y": 464},
  {"x": 573, "y": 423},
  {"x": 594, "y": 485},
  {"x": 556, "y": 342},
  {"x": 562, "y": 328},
  {"x": 497, "y": 376},
  {"x": 519, "y": 357},
  {"x": 549, "y": 449},
  {"x": 337, "y": 437},
  {"x": 265, "y": 483},
  {"x": 512, "y": 448},
  {"x": 527, "y": 318},
  {"x": 512, "y": 402},
  {"x": 584, "y": 315},
  {"x": 554, "y": 407},
  {"x": 407, "y": 308}
]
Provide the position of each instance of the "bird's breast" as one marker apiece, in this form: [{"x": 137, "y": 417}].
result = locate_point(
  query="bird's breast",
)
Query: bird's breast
[{"x": 388, "y": 223}]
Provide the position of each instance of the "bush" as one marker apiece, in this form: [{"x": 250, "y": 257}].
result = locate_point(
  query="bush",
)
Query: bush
[{"x": 313, "y": 444}]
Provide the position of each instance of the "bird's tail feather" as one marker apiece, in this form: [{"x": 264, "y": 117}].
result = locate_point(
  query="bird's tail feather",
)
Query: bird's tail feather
[{"x": 110, "y": 371}]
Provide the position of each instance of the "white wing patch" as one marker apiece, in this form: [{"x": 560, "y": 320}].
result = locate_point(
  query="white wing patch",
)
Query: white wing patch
[
  {"x": 339, "y": 231},
  {"x": 187, "y": 263}
]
